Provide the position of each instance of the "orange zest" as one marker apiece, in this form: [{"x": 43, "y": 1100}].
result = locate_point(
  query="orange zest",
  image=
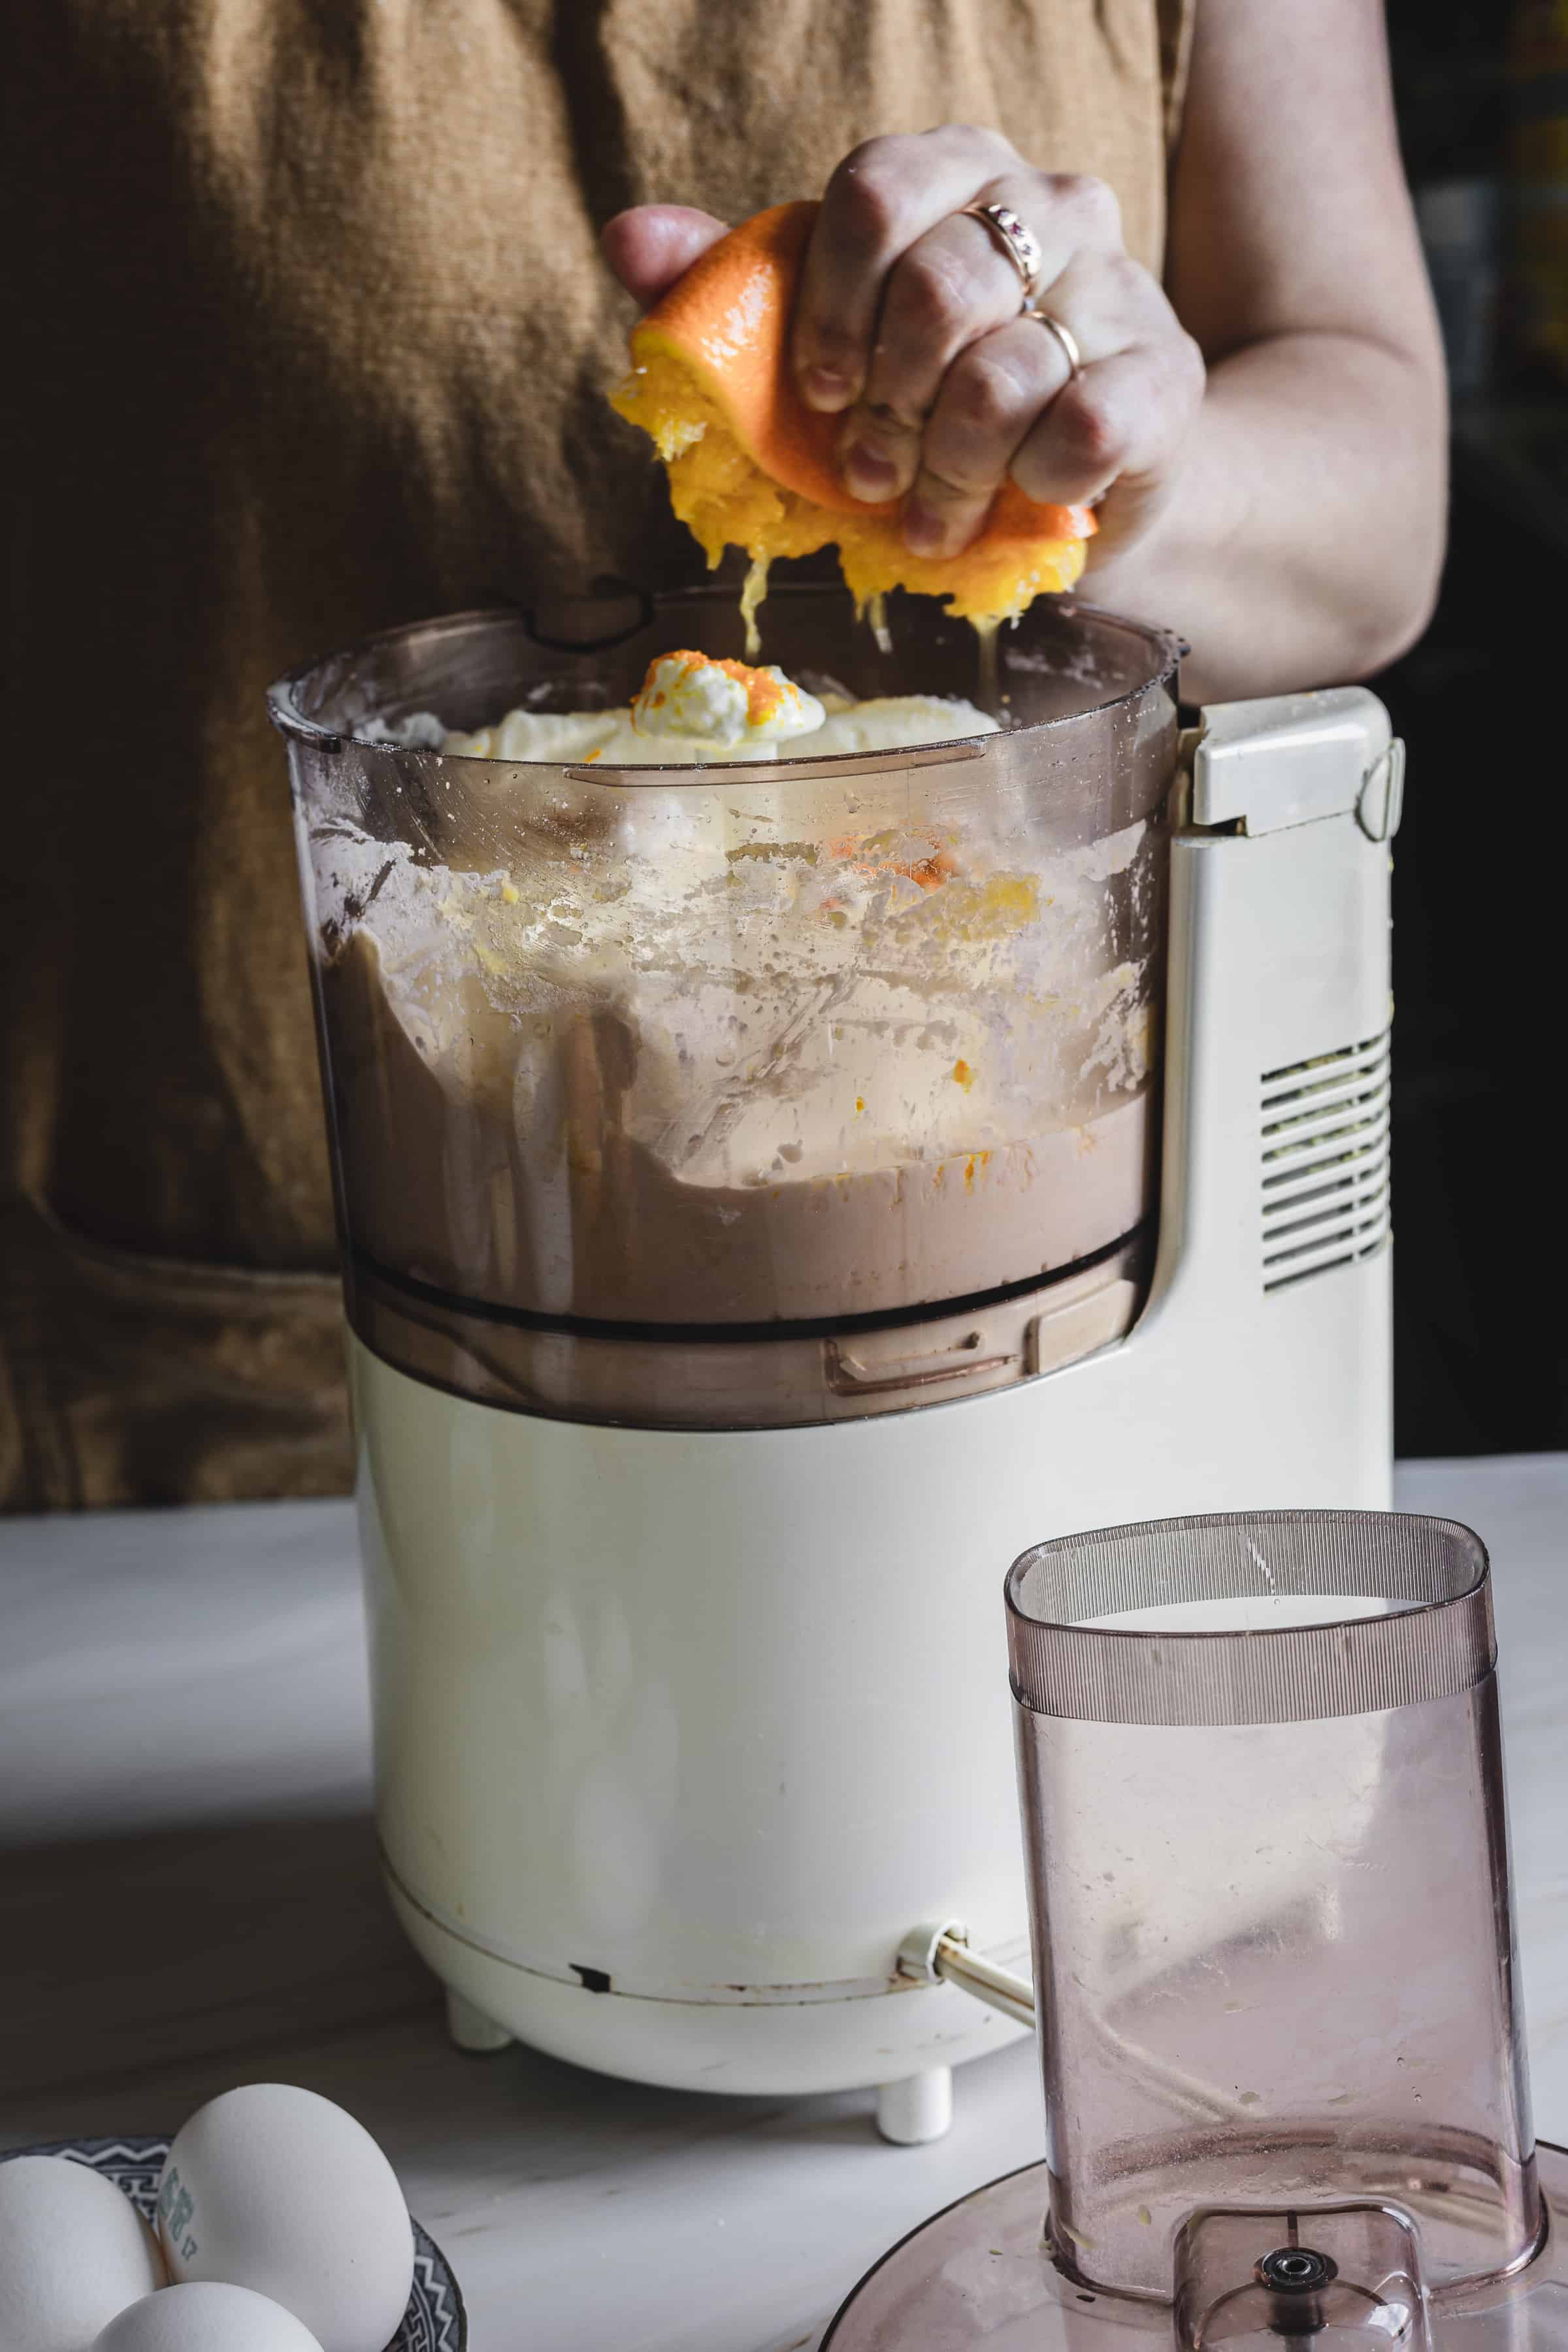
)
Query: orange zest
[
  {"x": 750, "y": 466},
  {"x": 928, "y": 872},
  {"x": 764, "y": 692}
]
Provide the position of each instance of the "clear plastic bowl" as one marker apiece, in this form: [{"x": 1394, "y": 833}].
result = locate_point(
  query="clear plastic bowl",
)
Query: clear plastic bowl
[{"x": 747, "y": 1045}]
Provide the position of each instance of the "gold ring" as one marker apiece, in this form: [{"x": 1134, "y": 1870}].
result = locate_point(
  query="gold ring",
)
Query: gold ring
[
  {"x": 1063, "y": 335},
  {"x": 1014, "y": 238}
]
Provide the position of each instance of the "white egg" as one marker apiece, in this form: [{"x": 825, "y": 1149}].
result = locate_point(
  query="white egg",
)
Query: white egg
[
  {"x": 204, "y": 2318},
  {"x": 277, "y": 2189},
  {"x": 73, "y": 2251}
]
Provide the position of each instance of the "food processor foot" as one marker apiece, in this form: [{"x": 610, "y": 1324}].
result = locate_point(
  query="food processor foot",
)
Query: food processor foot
[
  {"x": 471, "y": 2029},
  {"x": 916, "y": 2110}
]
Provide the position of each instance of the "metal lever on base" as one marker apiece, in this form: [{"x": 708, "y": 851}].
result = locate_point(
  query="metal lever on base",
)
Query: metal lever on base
[{"x": 933, "y": 1954}]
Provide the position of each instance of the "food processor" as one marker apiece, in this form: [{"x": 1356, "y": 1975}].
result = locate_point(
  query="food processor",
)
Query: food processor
[
  {"x": 770, "y": 1194},
  {"x": 1274, "y": 1960}
]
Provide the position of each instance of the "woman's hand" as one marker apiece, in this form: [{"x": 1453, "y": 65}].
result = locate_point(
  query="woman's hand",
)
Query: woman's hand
[
  {"x": 910, "y": 323},
  {"x": 1286, "y": 516}
]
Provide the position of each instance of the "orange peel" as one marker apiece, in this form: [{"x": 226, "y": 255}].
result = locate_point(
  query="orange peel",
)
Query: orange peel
[{"x": 750, "y": 466}]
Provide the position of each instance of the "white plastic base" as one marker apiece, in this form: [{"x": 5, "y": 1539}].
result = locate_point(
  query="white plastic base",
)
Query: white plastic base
[
  {"x": 917, "y": 2109},
  {"x": 676, "y": 1736},
  {"x": 778, "y": 2049}
]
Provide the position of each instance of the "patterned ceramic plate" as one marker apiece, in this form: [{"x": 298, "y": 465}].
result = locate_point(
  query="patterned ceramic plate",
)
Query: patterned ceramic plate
[{"x": 434, "y": 2321}]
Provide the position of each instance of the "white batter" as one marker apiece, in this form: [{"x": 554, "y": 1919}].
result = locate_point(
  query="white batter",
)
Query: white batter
[{"x": 693, "y": 710}]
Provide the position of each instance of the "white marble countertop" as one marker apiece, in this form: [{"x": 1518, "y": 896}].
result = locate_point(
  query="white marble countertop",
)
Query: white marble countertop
[{"x": 188, "y": 1899}]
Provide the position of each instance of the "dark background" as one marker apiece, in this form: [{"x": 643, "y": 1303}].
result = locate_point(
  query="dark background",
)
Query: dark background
[{"x": 1480, "y": 1331}]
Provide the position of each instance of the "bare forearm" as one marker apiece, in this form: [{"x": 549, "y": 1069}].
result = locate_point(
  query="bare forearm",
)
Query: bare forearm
[{"x": 1303, "y": 538}]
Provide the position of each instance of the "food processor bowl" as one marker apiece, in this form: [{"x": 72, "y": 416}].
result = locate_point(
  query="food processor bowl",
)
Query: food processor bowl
[{"x": 783, "y": 1065}]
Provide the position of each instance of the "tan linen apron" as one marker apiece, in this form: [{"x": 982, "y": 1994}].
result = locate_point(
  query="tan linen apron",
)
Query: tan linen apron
[{"x": 309, "y": 336}]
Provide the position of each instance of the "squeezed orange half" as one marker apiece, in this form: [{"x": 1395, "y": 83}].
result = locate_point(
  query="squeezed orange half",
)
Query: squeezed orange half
[{"x": 750, "y": 466}]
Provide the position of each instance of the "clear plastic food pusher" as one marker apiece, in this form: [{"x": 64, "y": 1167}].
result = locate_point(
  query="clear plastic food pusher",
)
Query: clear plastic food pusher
[{"x": 1276, "y": 1983}]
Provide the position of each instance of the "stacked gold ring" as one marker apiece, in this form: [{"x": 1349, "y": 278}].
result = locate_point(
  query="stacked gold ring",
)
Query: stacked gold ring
[
  {"x": 1063, "y": 335},
  {"x": 1014, "y": 238}
]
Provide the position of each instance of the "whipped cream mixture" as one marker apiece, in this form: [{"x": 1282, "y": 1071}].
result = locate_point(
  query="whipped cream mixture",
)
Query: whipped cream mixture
[{"x": 693, "y": 710}]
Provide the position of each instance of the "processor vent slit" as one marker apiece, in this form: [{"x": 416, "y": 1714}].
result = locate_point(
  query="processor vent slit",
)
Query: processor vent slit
[{"x": 1324, "y": 1162}]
